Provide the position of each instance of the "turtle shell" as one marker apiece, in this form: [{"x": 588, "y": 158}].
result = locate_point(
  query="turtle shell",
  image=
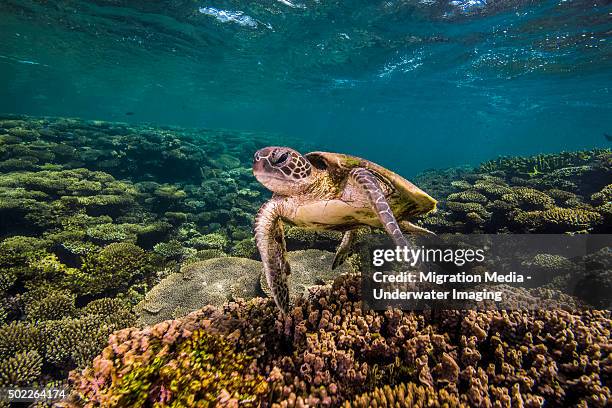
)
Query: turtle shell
[{"x": 339, "y": 165}]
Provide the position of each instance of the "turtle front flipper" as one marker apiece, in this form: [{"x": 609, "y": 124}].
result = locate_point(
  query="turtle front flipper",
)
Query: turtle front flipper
[
  {"x": 368, "y": 182},
  {"x": 270, "y": 240},
  {"x": 344, "y": 249}
]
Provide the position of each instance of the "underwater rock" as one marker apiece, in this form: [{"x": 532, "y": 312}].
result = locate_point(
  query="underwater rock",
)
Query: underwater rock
[
  {"x": 309, "y": 268},
  {"x": 216, "y": 281}
]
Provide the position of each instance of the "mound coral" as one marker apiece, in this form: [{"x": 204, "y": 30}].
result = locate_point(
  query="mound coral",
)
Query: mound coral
[{"x": 218, "y": 280}]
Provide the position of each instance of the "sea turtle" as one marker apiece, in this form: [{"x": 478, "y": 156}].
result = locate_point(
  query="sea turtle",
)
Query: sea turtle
[{"x": 330, "y": 191}]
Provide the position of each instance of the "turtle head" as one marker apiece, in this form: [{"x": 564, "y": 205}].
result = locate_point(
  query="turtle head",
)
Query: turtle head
[{"x": 282, "y": 170}]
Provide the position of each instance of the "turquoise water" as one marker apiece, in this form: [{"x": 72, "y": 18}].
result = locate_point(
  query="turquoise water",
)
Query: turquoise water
[{"x": 409, "y": 84}]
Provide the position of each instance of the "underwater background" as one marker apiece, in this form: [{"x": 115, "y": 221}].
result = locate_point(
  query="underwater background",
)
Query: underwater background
[
  {"x": 408, "y": 84},
  {"x": 129, "y": 275}
]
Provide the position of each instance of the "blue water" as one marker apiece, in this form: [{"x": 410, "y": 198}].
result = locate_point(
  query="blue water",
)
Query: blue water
[{"x": 409, "y": 84}]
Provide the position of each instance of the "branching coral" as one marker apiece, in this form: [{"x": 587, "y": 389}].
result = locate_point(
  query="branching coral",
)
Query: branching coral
[
  {"x": 604, "y": 196},
  {"x": 528, "y": 199},
  {"x": 54, "y": 304},
  {"x": 69, "y": 189},
  {"x": 18, "y": 250},
  {"x": 202, "y": 369},
  {"x": 467, "y": 196},
  {"x": 539, "y": 164},
  {"x": 405, "y": 395},
  {"x": 466, "y": 208},
  {"x": 21, "y": 369},
  {"x": 245, "y": 248},
  {"x": 565, "y": 196},
  {"x": 16, "y": 337},
  {"x": 558, "y": 219},
  {"x": 330, "y": 350},
  {"x": 114, "y": 267}
]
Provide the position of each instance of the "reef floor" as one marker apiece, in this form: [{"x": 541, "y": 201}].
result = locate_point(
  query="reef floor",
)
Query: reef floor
[{"x": 100, "y": 221}]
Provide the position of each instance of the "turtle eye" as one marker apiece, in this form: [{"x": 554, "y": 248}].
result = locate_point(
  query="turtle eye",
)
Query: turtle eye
[{"x": 280, "y": 159}]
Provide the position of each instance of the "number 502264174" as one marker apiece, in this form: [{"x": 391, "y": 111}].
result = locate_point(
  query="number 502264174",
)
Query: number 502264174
[{"x": 31, "y": 394}]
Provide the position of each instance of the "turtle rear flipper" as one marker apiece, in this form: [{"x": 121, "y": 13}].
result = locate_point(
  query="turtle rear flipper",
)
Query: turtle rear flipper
[
  {"x": 270, "y": 239},
  {"x": 364, "y": 179},
  {"x": 410, "y": 228}
]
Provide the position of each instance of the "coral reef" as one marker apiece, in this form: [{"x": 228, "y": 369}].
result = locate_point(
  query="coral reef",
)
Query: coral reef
[
  {"x": 97, "y": 235},
  {"x": 91, "y": 219},
  {"x": 405, "y": 395},
  {"x": 566, "y": 192},
  {"x": 331, "y": 351}
]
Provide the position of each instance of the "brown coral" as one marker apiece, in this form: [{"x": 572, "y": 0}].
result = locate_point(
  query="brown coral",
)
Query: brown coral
[{"x": 330, "y": 350}]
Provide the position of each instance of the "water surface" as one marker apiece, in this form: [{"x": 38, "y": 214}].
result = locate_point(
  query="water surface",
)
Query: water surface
[{"x": 410, "y": 84}]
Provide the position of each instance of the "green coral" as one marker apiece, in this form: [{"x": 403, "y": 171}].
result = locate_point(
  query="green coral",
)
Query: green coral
[
  {"x": 551, "y": 262},
  {"x": 461, "y": 184},
  {"x": 466, "y": 208},
  {"x": 492, "y": 188},
  {"x": 107, "y": 233},
  {"x": 16, "y": 337},
  {"x": 106, "y": 203},
  {"x": 114, "y": 267},
  {"x": 468, "y": 196},
  {"x": 74, "y": 341},
  {"x": 215, "y": 240},
  {"x": 561, "y": 196},
  {"x": 602, "y": 197},
  {"x": 18, "y": 250},
  {"x": 113, "y": 311},
  {"x": 49, "y": 265},
  {"x": 205, "y": 369},
  {"x": 539, "y": 164},
  {"x": 245, "y": 248},
  {"x": 169, "y": 192},
  {"x": 54, "y": 304},
  {"x": 528, "y": 199},
  {"x": 560, "y": 219},
  {"x": 205, "y": 254},
  {"x": 171, "y": 250},
  {"x": 474, "y": 218},
  {"x": 7, "y": 279},
  {"x": 21, "y": 369}
]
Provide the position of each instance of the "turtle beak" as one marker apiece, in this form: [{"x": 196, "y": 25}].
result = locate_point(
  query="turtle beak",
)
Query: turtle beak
[
  {"x": 259, "y": 160},
  {"x": 261, "y": 164}
]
